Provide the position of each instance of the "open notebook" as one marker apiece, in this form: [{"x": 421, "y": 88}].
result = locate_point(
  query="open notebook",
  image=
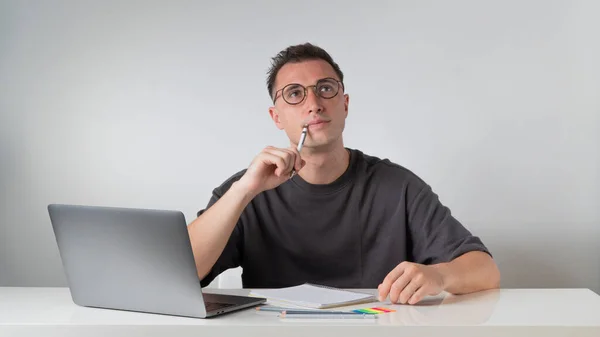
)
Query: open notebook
[{"x": 313, "y": 296}]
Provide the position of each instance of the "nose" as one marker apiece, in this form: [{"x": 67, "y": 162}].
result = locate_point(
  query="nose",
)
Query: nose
[{"x": 313, "y": 101}]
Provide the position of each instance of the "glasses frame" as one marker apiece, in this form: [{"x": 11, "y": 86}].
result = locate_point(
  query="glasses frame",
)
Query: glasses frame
[{"x": 339, "y": 83}]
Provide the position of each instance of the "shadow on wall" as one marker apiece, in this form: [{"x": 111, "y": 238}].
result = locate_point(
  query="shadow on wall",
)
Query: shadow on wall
[{"x": 572, "y": 263}]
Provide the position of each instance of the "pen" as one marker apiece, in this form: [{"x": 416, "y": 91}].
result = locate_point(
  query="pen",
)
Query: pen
[
  {"x": 302, "y": 137},
  {"x": 300, "y": 144}
]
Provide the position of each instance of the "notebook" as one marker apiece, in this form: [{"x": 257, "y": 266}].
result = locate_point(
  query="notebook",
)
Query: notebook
[{"x": 313, "y": 296}]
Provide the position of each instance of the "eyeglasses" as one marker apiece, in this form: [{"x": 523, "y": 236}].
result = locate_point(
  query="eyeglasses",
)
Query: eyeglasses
[{"x": 295, "y": 93}]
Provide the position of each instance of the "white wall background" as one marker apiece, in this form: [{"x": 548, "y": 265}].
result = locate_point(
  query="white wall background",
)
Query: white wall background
[{"x": 154, "y": 103}]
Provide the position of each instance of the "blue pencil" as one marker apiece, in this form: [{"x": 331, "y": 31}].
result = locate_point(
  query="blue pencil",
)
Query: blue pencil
[{"x": 304, "y": 311}]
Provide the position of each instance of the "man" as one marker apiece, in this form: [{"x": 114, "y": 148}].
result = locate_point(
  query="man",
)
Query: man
[{"x": 345, "y": 219}]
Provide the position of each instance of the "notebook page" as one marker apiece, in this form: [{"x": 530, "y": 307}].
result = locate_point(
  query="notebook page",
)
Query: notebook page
[{"x": 312, "y": 296}]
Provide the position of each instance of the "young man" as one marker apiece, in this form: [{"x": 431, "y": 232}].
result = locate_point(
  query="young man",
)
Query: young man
[{"x": 345, "y": 219}]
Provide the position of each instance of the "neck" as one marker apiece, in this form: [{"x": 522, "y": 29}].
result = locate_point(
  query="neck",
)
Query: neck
[{"x": 324, "y": 165}]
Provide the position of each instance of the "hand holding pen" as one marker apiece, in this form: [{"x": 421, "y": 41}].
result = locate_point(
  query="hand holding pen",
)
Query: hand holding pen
[{"x": 272, "y": 167}]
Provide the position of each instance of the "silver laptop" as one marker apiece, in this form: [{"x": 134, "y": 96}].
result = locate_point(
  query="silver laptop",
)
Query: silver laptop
[{"x": 136, "y": 260}]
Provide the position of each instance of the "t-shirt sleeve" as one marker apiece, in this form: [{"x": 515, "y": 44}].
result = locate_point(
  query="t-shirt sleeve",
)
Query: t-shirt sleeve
[
  {"x": 231, "y": 255},
  {"x": 436, "y": 235}
]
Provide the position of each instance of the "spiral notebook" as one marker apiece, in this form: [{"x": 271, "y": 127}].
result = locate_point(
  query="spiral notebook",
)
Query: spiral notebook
[{"x": 313, "y": 296}]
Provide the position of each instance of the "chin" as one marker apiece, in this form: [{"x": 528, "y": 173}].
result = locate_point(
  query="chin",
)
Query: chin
[{"x": 324, "y": 142}]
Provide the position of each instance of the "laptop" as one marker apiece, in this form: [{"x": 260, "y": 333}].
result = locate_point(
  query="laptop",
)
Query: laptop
[{"x": 136, "y": 260}]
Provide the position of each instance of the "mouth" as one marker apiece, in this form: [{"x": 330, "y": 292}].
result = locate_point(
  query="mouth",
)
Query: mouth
[{"x": 317, "y": 122}]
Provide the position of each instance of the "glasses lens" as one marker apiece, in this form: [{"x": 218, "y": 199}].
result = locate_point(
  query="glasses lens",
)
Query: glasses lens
[
  {"x": 293, "y": 93},
  {"x": 327, "y": 88}
]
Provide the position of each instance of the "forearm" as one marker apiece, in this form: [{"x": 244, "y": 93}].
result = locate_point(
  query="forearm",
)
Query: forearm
[
  {"x": 210, "y": 232},
  {"x": 470, "y": 272}
]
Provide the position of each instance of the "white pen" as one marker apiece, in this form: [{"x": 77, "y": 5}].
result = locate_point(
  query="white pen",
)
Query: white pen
[
  {"x": 302, "y": 137},
  {"x": 300, "y": 144}
]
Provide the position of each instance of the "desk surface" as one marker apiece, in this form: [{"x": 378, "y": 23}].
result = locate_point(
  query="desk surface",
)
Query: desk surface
[{"x": 551, "y": 312}]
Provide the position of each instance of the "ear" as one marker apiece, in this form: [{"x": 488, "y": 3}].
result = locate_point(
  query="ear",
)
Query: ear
[
  {"x": 275, "y": 117},
  {"x": 346, "y": 101}
]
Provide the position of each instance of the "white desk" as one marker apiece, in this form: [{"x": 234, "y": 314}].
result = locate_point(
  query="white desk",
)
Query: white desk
[{"x": 506, "y": 312}]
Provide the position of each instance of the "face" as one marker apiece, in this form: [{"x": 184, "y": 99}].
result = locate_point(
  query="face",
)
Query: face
[{"x": 326, "y": 117}]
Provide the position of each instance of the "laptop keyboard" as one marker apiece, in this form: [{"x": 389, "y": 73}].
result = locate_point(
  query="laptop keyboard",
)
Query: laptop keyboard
[{"x": 212, "y": 306}]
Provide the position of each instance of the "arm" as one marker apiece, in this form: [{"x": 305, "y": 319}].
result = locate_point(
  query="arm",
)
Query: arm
[
  {"x": 410, "y": 282},
  {"x": 210, "y": 232},
  {"x": 473, "y": 271}
]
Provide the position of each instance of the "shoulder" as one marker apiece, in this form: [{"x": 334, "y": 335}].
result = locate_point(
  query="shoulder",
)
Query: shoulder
[
  {"x": 391, "y": 179},
  {"x": 383, "y": 169},
  {"x": 225, "y": 185},
  {"x": 220, "y": 190}
]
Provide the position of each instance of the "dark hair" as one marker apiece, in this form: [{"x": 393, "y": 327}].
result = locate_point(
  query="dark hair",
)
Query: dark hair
[{"x": 298, "y": 53}]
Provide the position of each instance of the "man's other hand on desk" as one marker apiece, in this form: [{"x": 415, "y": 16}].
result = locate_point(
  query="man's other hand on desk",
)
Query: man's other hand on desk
[{"x": 410, "y": 282}]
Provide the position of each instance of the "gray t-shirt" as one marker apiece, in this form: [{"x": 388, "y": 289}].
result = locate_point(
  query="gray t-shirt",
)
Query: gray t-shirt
[{"x": 349, "y": 234}]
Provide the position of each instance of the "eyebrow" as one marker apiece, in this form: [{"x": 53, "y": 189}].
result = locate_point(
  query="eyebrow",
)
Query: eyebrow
[{"x": 292, "y": 86}]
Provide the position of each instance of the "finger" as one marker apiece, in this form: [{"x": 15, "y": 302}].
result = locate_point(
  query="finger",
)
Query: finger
[
  {"x": 286, "y": 156},
  {"x": 409, "y": 290},
  {"x": 271, "y": 159},
  {"x": 386, "y": 285},
  {"x": 418, "y": 295},
  {"x": 295, "y": 157},
  {"x": 398, "y": 287}
]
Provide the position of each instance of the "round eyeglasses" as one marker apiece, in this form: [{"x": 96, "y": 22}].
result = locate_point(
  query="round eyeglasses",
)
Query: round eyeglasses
[{"x": 295, "y": 93}]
